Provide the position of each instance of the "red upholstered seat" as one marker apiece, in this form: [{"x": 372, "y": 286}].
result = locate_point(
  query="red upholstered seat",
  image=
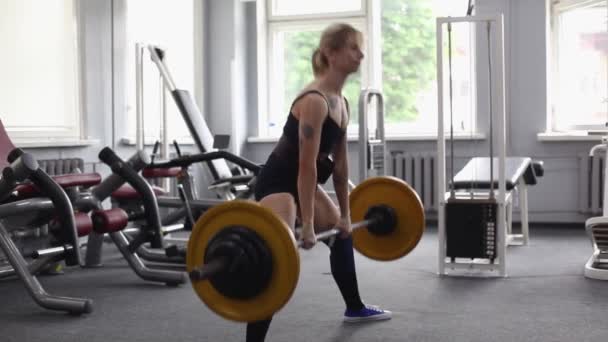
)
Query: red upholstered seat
[
  {"x": 84, "y": 225},
  {"x": 160, "y": 172},
  {"x": 109, "y": 221},
  {"x": 126, "y": 192},
  {"x": 65, "y": 181}
]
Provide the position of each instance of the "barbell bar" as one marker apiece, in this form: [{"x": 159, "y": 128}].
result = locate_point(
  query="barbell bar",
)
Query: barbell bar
[
  {"x": 220, "y": 264},
  {"x": 331, "y": 233},
  {"x": 243, "y": 259}
]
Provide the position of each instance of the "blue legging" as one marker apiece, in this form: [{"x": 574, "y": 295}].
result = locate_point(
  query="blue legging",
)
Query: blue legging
[{"x": 342, "y": 262}]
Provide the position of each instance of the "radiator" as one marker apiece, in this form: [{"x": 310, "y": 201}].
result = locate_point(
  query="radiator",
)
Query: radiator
[
  {"x": 56, "y": 167},
  {"x": 418, "y": 170},
  {"x": 591, "y": 180}
]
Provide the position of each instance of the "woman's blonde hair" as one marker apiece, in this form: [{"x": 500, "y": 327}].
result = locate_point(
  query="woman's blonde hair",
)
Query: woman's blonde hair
[{"x": 333, "y": 38}]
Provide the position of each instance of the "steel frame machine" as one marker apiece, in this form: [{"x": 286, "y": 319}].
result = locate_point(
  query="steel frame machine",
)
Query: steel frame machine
[{"x": 481, "y": 210}]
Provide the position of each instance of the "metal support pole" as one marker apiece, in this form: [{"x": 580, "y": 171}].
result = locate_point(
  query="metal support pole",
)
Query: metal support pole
[
  {"x": 139, "y": 96},
  {"x": 367, "y": 143}
]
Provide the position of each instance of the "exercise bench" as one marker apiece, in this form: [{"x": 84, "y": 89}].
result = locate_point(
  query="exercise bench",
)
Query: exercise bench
[
  {"x": 520, "y": 172},
  {"x": 477, "y": 226}
]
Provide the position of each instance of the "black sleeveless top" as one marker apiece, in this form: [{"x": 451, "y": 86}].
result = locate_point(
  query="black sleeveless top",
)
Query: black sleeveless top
[
  {"x": 331, "y": 132},
  {"x": 280, "y": 173}
]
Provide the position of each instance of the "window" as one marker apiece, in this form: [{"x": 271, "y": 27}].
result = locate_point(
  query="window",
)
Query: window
[
  {"x": 286, "y": 8},
  {"x": 580, "y": 65},
  {"x": 409, "y": 82},
  {"x": 404, "y": 70},
  {"x": 294, "y": 29},
  {"x": 171, "y": 25},
  {"x": 292, "y": 46},
  {"x": 39, "y": 64}
]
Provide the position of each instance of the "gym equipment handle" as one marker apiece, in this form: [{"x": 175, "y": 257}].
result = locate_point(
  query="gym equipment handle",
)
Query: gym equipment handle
[
  {"x": 53, "y": 251},
  {"x": 129, "y": 172},
  {"x": 188, "y": 160},
  {"x": 137, "y": 162},
  {"x": 63, "y": 207},
  {"x": 19, "y": 170}
]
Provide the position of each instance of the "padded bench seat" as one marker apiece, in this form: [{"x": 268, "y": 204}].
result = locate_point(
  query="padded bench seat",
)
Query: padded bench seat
[
  {"x": 161, "y": 172},
  {"x": 109, "y": 220},
  {"x": 126, "y": 192},
  {"x": 84, "y": 225},
  {"x": 65, "y": 181},
  {"x": 476, "y": 173}
]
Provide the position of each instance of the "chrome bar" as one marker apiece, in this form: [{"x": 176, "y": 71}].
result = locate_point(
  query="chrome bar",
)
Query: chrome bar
[{"x": 139, "y": 96}]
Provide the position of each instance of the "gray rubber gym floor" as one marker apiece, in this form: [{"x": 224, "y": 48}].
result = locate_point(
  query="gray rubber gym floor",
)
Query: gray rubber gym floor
[{"x": 545, "y": 298}]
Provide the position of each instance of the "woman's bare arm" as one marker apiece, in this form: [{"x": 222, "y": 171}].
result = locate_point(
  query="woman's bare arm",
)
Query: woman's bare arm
[{"x": 312, "y": 110}]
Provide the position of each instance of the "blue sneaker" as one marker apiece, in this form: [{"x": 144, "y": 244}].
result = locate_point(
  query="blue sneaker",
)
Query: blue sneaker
[{"x": 368, "y": 313}]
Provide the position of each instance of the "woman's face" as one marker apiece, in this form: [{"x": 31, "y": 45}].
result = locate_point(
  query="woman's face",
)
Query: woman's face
[{"x": 348, "y": 58}]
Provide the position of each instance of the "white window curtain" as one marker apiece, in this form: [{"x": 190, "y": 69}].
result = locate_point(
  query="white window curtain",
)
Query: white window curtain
[
  {"x": 580, "y": 65},
  {"x": 171, "y": 25},
  {"x": 39, "y": 68}
]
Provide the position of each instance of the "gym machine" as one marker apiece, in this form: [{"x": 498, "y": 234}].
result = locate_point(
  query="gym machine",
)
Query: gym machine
[
  {"x": 597, "y": 227},
  {"x": 50, "y": 204},
  {"x": 472, "y": 224},
  {"x": 372, "y": 147}
]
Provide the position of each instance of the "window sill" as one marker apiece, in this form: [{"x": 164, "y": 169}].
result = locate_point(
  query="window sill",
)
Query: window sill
[
  {"x": 389, "y": 137},
  {"x": 570, "y": 136},
  {"x": 54, "y": 143},
  {"x": 150, "y": 141}
]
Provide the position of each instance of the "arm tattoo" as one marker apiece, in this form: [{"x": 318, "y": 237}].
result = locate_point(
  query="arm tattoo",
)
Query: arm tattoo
[{"x": 307, "y": 131}]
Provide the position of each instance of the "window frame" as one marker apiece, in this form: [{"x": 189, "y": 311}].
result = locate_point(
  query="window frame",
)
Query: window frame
[
  {"x": 71, "y": 134},
  {"x": 362, "y": 12},
  {"x": 557, "y": 8},
  {"x": 371, "y": 76},
  {"x": 268, "y": 25},
  {"x": 471, "y": 132},
  {"x": 120, "y": 72},
  {"x": 273, "y": 73}
]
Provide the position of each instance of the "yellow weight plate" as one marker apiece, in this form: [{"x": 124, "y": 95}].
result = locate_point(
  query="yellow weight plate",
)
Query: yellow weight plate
[
  {"x": 397, "y": 194},
  {"x": 280, "y": 242}
]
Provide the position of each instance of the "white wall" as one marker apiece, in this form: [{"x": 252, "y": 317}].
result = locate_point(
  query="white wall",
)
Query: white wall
[{"x": 231, "y": 96}]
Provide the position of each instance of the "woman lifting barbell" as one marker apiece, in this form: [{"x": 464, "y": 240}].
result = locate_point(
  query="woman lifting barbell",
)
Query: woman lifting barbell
[{"x": 288, "y": 184}]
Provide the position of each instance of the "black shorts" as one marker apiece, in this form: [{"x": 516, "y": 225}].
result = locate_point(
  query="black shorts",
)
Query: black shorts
[
  {"x": 277, "y": 175},
  {"x": 281, "y": 175}
]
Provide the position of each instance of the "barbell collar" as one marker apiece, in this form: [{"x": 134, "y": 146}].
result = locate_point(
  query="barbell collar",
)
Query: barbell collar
[{"x": 209, "y": 269}]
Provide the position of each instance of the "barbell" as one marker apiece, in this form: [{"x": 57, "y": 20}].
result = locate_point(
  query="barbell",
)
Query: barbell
[{"x": 243, "y": 260}]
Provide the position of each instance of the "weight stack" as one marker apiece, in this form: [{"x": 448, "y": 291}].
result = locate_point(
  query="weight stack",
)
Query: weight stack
[{"x": 471, "y": 228}]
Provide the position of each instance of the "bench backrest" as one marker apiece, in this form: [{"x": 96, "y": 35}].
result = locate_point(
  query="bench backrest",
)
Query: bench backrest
[{"x": 200, "y": 131}]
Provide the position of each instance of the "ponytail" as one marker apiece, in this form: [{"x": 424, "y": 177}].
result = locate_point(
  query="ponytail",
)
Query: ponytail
[
  {"x": 319, "y": 62},
  {"x": 333, "y": 38}
]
